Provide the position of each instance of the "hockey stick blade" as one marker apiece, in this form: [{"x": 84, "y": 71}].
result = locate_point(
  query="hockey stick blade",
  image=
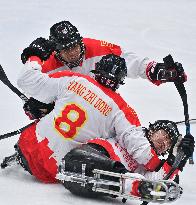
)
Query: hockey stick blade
[
  {"x": 191, "y": 121},
  {"x": 10, "y": 134},
  {"x": 5, "y": 80},
  {"x": 3, "y": 76}
]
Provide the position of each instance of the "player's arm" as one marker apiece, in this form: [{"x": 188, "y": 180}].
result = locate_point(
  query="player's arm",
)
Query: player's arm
[
  {"x": 37, "y": 84},
  {"x": 155, "y": 72},
  {"x": 41, "y": 87},
  {"x": 137, "y": 145},
  {"x": 131, "y": 136}
]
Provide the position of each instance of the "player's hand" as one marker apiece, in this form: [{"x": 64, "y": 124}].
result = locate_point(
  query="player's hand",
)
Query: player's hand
[
  {"x": 35, "y": 109},
  {"x": 40, "y": 47},
  {"x": 158, "y": 73}
]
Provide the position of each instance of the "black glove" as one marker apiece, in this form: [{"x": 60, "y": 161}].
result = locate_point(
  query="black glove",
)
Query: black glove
[
  {"x": 187, "y": 145},
  {"x": 171, "y": 159},
  {"x": 159, "y": 72},
  {"x": 40, "y": 47},
  {"x": 35, "y": 109}
]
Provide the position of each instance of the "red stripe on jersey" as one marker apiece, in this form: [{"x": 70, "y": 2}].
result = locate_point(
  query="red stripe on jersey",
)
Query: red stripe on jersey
[
  {"x": 108, "y": 147},
  {"x": 50, "y": 64},
  {"x": 100, "y": 48},
  {"x": 153, "y": 163},
  {"x": 129, "y": 113},
  {"x": 38, "y": 155},
  {"x": 35, "y": 58},
  {"x": 150, "y": 66},
  {"x": 93, "y": 48}
]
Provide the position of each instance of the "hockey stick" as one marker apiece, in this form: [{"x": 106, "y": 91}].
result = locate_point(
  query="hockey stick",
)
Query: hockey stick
[
  {"x": 10, "y": 134},
  {"x": 169, "y": 62},
  {"x": 191, "y": 121},
  {"x": 5, "y": 80}
]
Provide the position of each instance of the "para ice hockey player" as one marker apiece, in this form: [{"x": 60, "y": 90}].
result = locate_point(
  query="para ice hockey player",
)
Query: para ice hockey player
[
  {"x": 66, "y": 49},
  {"x": 84, "y": 110},
  {"x": 162, "y": 135}
]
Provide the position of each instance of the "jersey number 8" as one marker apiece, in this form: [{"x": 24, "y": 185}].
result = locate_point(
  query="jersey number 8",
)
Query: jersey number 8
[{"x": 71, "y": 120}]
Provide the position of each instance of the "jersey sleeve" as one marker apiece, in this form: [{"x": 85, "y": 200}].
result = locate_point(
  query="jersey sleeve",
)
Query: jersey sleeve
[
  {"x": 130, "y": 135},
  {"x": 37, "y": 84},
  {"x": 134, "y": 141},
  {"x": 136, "y": 65},
  {"x": 48, "y": 66},
  {"x": 95, "y": 48}
]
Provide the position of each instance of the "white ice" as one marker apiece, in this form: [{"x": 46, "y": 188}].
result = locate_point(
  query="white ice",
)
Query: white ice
[{"x": 152, "y": 28}]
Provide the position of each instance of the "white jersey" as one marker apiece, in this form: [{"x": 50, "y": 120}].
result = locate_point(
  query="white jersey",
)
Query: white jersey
[{"x": 83, "y": 110}]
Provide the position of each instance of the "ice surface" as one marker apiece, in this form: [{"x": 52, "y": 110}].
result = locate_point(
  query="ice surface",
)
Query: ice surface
[{"x": 152, "y": 28}]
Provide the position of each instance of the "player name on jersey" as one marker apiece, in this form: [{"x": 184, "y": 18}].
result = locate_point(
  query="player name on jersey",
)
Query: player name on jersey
[{"x": 90, "y": 97}]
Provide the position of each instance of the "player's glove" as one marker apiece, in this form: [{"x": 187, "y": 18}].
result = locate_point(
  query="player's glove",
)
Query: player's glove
[
  {"x": 158, "y": 73},
  {"x": 35, "y": 109},
  {"x": 40, "y": 47},
  {"x": 171, "y": 159},
  {"x": 187, "y": 145}
]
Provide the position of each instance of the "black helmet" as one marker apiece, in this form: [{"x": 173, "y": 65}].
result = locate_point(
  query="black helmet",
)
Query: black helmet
[
  {"x": 110, "y": 71},
  {"x": 169, "y": 126},
  {"x": 66, "y": 36}
]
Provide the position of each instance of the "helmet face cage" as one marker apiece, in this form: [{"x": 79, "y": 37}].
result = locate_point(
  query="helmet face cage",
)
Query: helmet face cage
[
  {"x": 109, "y": 83},
  {"x": 66, "y": 36},
  {"x": 75, "y": 63},
  {"x": 111, "y": 71},
  {"x": 171, "y": 129}
]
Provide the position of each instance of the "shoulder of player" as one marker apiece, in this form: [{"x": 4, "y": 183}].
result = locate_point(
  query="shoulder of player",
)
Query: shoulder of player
[
  {"x": 99, "y": 48},
  {"x": 51, "y": 64}
]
